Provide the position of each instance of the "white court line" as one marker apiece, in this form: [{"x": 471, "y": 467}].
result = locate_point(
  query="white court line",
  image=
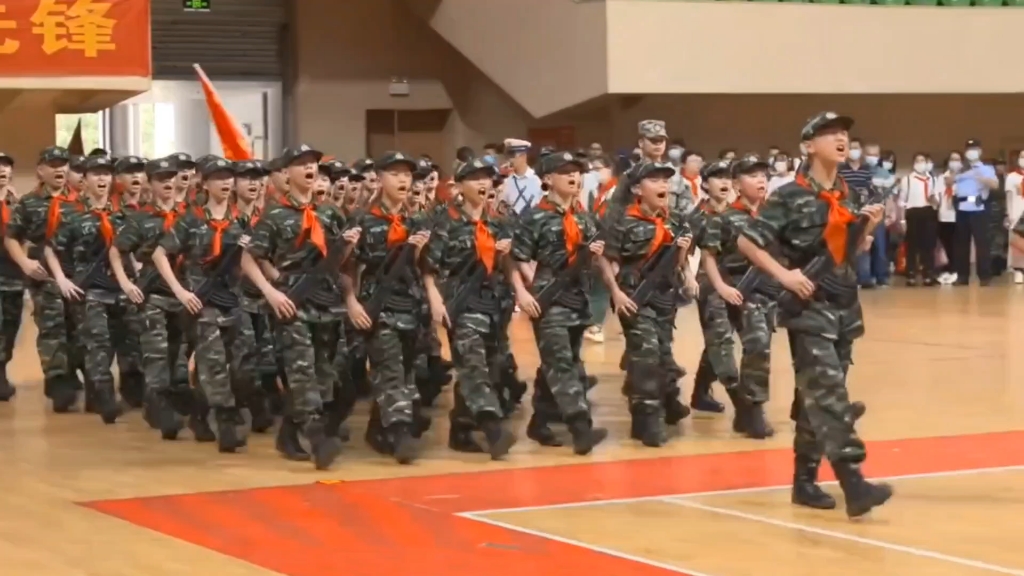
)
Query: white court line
[
  {"x": 476, "y": 513},
  {"x": 599, "y": 549},
  {"x": 841, "y": 536}
]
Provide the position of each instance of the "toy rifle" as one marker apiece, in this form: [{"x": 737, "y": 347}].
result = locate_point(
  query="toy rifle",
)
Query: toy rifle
[
  {"x": 547, "y": 296},
  {"x": 97, "y": 257},
  {"x": 309, "y": 286},
  {"x": 219, "y": 270}
]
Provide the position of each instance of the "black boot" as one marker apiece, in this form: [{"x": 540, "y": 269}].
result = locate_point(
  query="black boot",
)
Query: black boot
[
  {"x": 741, "y": 410},
  {"x": 165, "y": 419},
  {"x": 589, "y": 382},
  {"x": 516, "y": 388},
  {"x": 857, "y": 410},
  {"x": 499, "y": 440},
  {"x": 359, "y": 377},
  {"x": 538, "y": 430},
  {"x": 334, "y": 421},
  {"x": 584, "y": 435},
  {"x": 403, "y": 441},
  {"x": 861, "y": 495},
  {"x": 262, "y": 419},
  {"x": 107, "y": 406},
  {"x": 703, "y": 401},
  {"x": 420, "y": 421},
  {"x": 325, "y": 449},
  {"x": 647, "y": 426},
  {"x": 228, "y": 439},
  {"x": 198, "y": 423},
  {"x": 7, "y": 391},
  {"x": 675, "y": 411},
  {"x": 133, "y": 389},
  {"x": 287, "y": 441},
  {"x": 460, "y": 439},
  {"x": 806, "y": 491},
  {"x": 757, "y": 426},
  {"x": 375, "y": 436}
]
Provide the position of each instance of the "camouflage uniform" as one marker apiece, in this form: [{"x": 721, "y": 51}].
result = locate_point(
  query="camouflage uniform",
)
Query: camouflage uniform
[
  {"x": 541, "y": 237},
  {"x": 716, "y": 359},
  {"x": 12, "y": 291},
  {"x": 36, "y": 219},
  {"x": 225, "y": 346},
  {"x": 632, "y": 241},
  {"x": 307, "y": 343}
]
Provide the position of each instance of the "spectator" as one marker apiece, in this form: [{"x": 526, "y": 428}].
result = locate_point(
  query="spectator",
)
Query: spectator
[
  {"x": 858, "y": 172},
  {"x": 917, "y": 199},
  {"x": 493, "y": 150},
  {"x": 947, "y": 215},
  {"x": 973, "y": 186},
  {"x": 997, "y": 217},
  {"x": 693, "y": 162},
  {"x": 522, "y": 187},
  {"x": 599, "y": 297},
  {"x": 727, "y": 154},
  {"x": 1014, "y": 188},
  {"x": 782, "y": 172},
  {"x": 773, "y": 151},
  {"x": 595, "y": 150}
]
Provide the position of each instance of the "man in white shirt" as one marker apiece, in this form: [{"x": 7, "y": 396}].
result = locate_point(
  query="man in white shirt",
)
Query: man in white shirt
[
  {"x": 917, "y": 199},
  {"x": 522, "y": 187}
]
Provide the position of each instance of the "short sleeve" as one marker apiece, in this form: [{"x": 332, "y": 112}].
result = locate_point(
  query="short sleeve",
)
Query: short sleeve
[
  {"x": 434, "y": 251},
  {"x": 17, "y": 228},
  {"x": 614, "y": 232},
  {"x": 524, "y": 241},
  {"x": 261, "y": 242},
  {"x": 129, "y": 239},
  {"x": 770, "y": 223},
  {"x": 175, "y": 240},
  {"x": 712, "y": 241},
  {"x": 64, "y": 236}
]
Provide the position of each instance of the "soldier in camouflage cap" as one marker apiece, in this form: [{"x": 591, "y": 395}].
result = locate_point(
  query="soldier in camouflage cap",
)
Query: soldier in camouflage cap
[
  {"x": 76, "y": 172},
  {"x": 636, "y": 244},
  {"x": 806, "y": 219},
  {"x": 12, "y": 283},
  {"x": 551, "y": 234}
]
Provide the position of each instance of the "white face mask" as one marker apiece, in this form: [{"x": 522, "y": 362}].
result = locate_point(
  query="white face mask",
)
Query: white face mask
[
  {"x": 920, "y": 167},
  {"x": 973, "y": 155},
  {"x": 781, "y": 167},
  {"x": 854, "y": 154},
  {"x": 1020, "y": 162},
  {"x": 955, "y": 165},
  {"x": 930, "y": 166},
  {"x": 887, "y": 166},
  {"x": 871, "y": 160},
  {"x": 675, "y": 154}
]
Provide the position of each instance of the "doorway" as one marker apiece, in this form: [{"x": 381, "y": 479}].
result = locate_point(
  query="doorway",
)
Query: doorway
[{"x": 416, "y": 132}]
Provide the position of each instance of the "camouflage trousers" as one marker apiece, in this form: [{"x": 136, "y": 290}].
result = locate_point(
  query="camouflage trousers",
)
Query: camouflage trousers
[
  {"x": 719, "y": 345},
  {"x": 225, "y": 356},
  {"x": 559, "y": 336},
  {"x": 54, "y": 340},
  {"x": 755, "y": 332},
  {"x": 101, "y": 315},
  {"x": 266, "y": 353},
  {"x": 821, "y": 341},
  {"x": 478, "y": 364},
  {"x": 648, "y": 358},
  {"x": 308, "y": 351},
  {"x": 391, "y": 349},
  {"x": 12, "y": 304},
  {"x": 127, "y": 335},
  {"x": 163, "y": 344}
]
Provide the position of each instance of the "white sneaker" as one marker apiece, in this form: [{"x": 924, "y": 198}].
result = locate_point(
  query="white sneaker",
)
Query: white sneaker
[
  {"x": 1018, "y": 277},
  {"x": 944, "y": 279},
  {"x": 594, "y": 334}
]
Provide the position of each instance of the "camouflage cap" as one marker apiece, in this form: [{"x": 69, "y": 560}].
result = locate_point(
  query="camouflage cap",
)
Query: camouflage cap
[
  {"x": 475, "y": 166},
  {"x": 77, "y": 163},
  {"x": 651, "y": 169},
  {"x": 215, "y": 165},
  {"x": 823, "y": 121},
  {"x": 160, "y": 166},
  {"x": 336, "y": 170},
  {"x": 716, "y": 169},
  {"x": 423, "y": 169},
  {"x": 749, "y": 164},
  {"x": 6, "y": 159},
  {"x": 183, "y": 161},
  {"x": 247, "y": 168},
  {"x": 292, "y": 154},
  {"x": 98, "y": 152},
  {"x": 54, "y": 154},
  {"x": 130, "y": 164},
  {"x": 652, "y": 129},
  {"x": 392, "y": 158},
  {"x": 99, "y": 163},
  {"x": 199, "y": 161},
  {"x": 553, "y": 162},
  {"x": 545, "y": 151}
]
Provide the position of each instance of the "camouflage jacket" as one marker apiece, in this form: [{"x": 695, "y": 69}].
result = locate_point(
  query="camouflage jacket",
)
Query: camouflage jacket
[
  {"x": 36, "y": 218},
  {"x": 193, "y": 238},
  {"x": 698, "y": 220},
  {"x": 81, "y": 243},
  {"x": 794, "y": 219},
  {"x": 12, "y": 279},
  {"x": 280, "y": 238},
  {"x": 248, "y": 223},
  {"x": 140, "y": 236},
  {"x": 719, "y": 239},
  {"x": 540, "y": 236},
  {"x": 630, "y": 242}
]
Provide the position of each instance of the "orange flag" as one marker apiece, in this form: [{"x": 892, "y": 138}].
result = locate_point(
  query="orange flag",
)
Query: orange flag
[{"x": 232, "y": 138}]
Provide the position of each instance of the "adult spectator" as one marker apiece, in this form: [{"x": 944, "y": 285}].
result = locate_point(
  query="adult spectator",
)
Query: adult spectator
[
  {"x": 947, "y": 215},
  {"x": 690, "y": 192},
  {"x": 1014, "y": 188},
  {"x": 917, "y": 199},
  {"x": 782, "y": 172},
  {"x": 522, "y": 187},
  {"x": 997, "y": 217},
  {"x": 973, "y": 186},
  {"x": 859, "y": 172}
]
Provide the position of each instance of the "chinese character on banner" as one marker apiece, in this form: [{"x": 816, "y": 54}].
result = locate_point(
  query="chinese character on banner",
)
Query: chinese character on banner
[
  {"x": 82, "y": 26},
  {"x": 8, "y": 45}
]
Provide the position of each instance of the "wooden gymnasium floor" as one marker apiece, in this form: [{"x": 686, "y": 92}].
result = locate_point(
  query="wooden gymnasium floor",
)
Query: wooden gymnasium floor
[{"x": 942, "y": 372}]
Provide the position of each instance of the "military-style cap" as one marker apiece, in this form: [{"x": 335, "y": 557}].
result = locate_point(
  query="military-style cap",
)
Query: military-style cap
[
  {"x": 77, "y": 163},
  {"x": 749, "y": 164},
  {"x": 823, "y": 121},
  {"x": 972, "y": 143},
  {"x": 247, "y": 168},
  {"x": 183, "y": 161},
  {"x": 360, "y": 168},
  {"x": 555, "y": 161},
  {"x": 651, "y": 129},
  {"x": 99, "y": 163},
  {"x": 291, "y": 154},
  {"x": 6, "y": 159},
  {"x": 423, "y": 169},
  {"x": 130, "y": 164},
  {"x": 337, "y": 170},
  {"x": 545, "y": 151},
  {"x": 651, "y": 169},
  {"x": 214, "y": 165},
  {"x": 54, "y": 154},
  {"x": 716, "y": 169},
  {"x": 98, "y": 152},
  {"x": 515, "y": 146},
  {"x": 264, "y": 166},
  {"x": 474, "y": 166},
  {"x": 160, "y": 166},
  {"x": 392, "y": 158},
  {"x": 202, "y": 159}
]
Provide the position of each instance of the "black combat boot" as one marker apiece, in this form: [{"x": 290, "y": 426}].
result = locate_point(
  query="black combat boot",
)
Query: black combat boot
[
  {"x": 7, "y": 391},
  {"x": 375, "y": 436},
  {"x": 702, "y": 400},
  {"x": 499, "y": 440},
  {"x": 402, "y": 439},
  {"x": 806, "y": 491},
  {"x": 420, "y": 421},
  {"x": 460, "y": 438},
  {"x": 589, "y": 382},
  {"x": 287, "y": 441},
  {"x": 857, "y": 410},
  {"x": 675, "y": 410},
  {"x": 228, "y": 439},
  {"x": 262, "y": 419},
  {"x": 164, "y": 417},
  {"x": 325, "y": 449},
  {"x": 198, "y": 423},
  {"x": 107, "y": 405},
  {"x": 861, "y": 495},
  {"x": 132, "y": 389},
  {"x": 757, "y": 426},
  {"x": 334, "y": 423},
  {"x": 741, "y": 410},
  {"x": 647, "y": 426},
  {"x": 584, "y": 435},
  {"x": 516, "y": 387},
  {"x": 538, "y": 430}
]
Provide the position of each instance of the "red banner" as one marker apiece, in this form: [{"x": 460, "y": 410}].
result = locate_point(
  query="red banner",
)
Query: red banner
[{"x": 74, "y": 38}]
